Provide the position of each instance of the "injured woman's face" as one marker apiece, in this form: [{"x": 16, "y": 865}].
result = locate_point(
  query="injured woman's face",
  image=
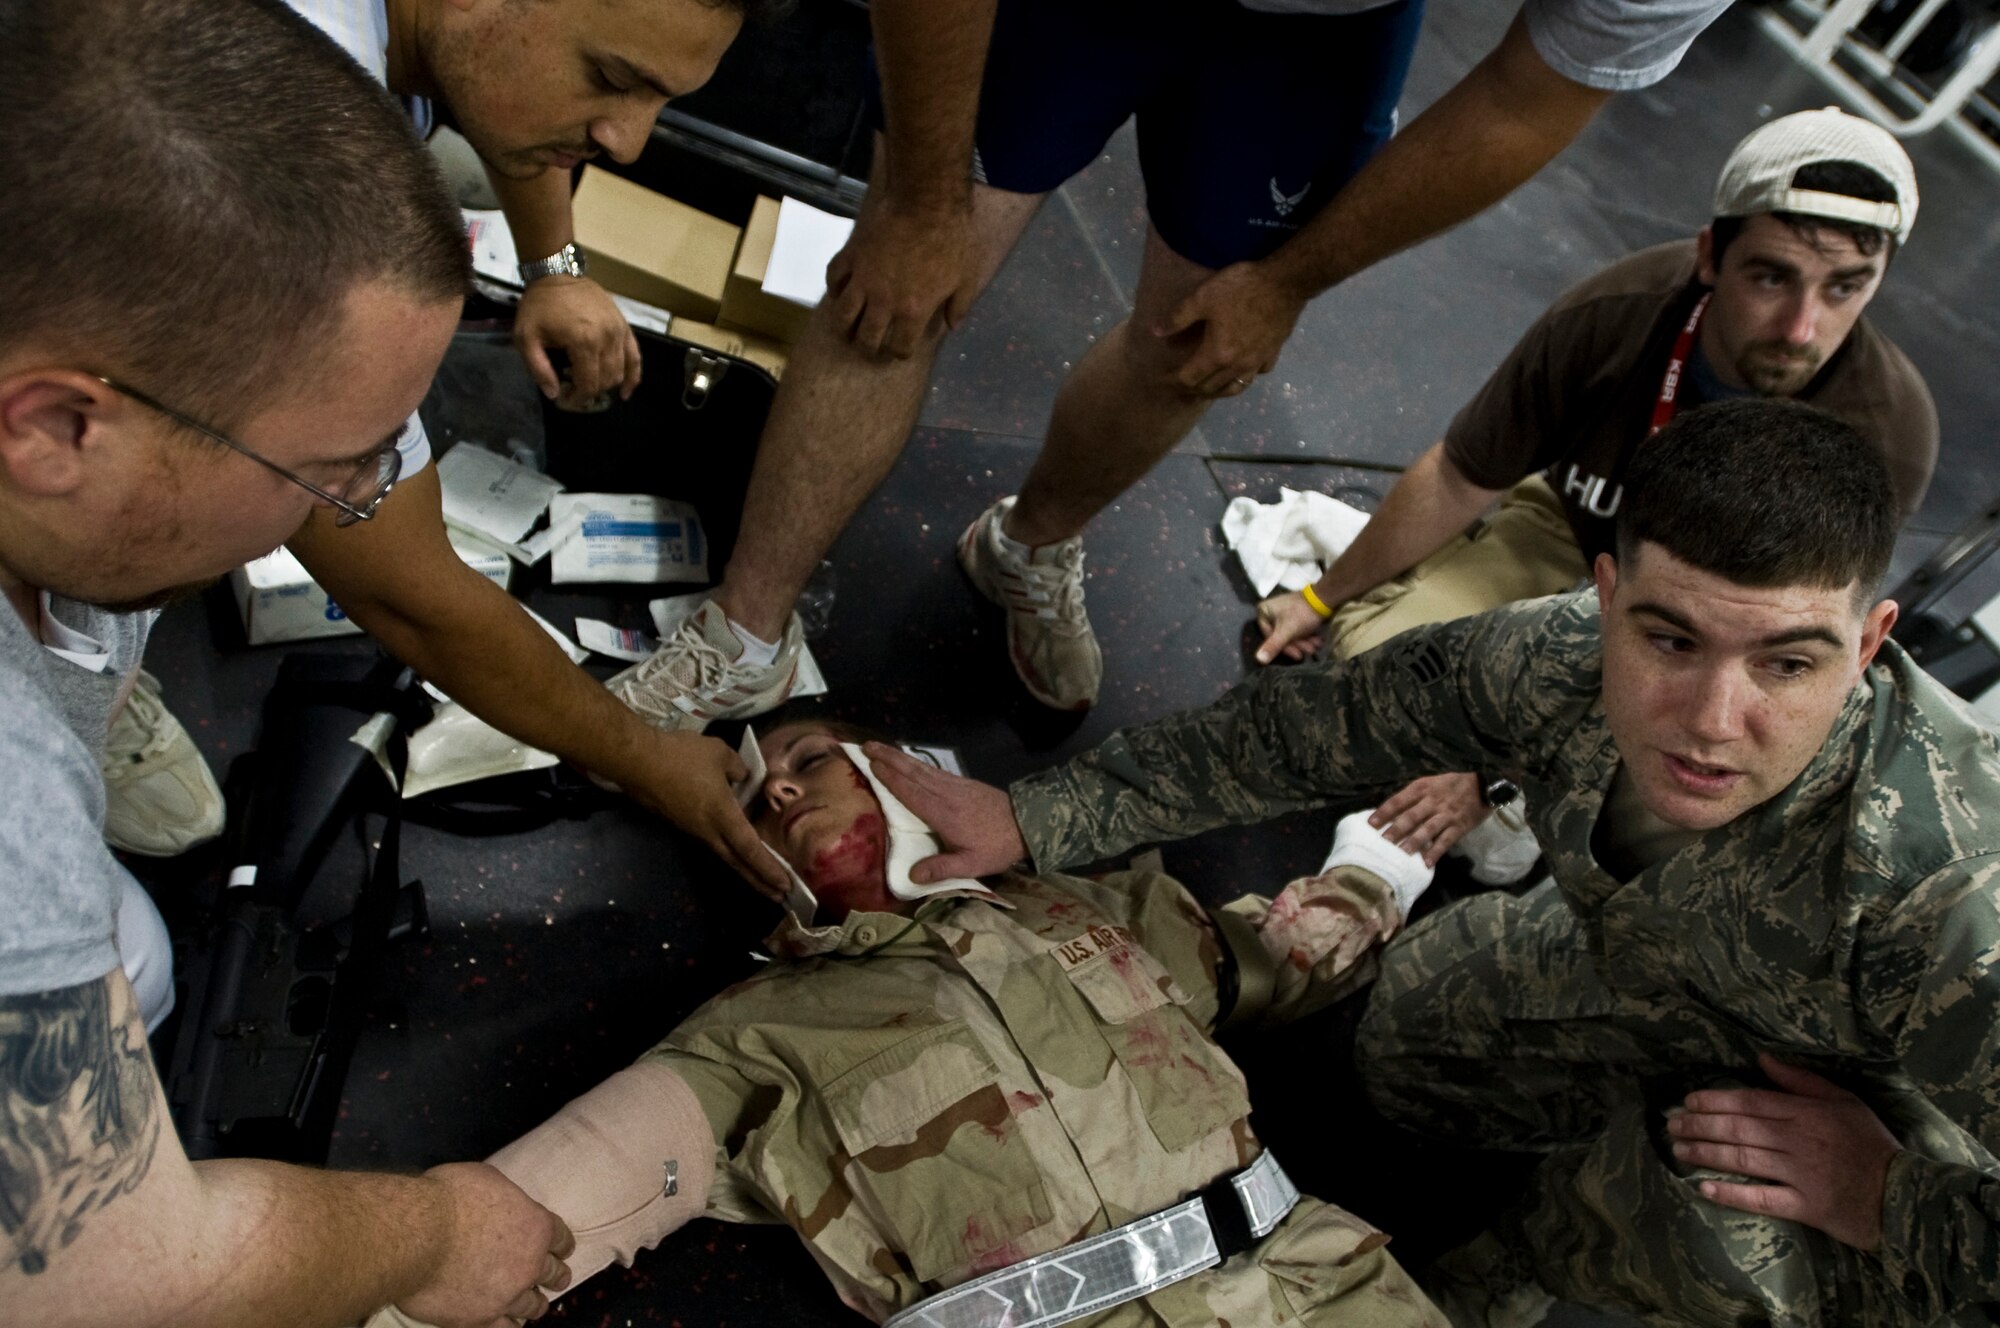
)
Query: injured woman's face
[{"x": 818, "y": 811}]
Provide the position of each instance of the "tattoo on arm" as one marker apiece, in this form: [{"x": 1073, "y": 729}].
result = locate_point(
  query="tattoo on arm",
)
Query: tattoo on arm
[{"x": 78, "y": 1126}]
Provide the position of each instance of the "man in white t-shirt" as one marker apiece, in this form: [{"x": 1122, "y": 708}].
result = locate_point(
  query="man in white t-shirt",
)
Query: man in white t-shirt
[
  {"x": 251, "y": 272},
  {"x": 537, "y": 88}
]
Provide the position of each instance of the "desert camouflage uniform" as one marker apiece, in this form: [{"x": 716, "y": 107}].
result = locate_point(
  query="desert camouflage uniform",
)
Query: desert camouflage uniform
[
  {"x": 927, "y": 1098},
  {"x": 1849, "y": 925}
]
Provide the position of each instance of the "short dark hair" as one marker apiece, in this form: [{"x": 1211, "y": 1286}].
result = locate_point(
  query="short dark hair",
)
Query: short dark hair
[
  {"x": 1849, "y": 178},
  {"x": 1763, "y": 493},
  {"x": 212, "y": 180}
]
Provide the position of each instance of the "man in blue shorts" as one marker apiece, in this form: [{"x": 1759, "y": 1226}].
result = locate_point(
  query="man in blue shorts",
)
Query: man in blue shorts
[{"x": 1259, "y": 125}]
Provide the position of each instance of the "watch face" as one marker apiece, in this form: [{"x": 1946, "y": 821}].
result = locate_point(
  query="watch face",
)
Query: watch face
[{"x": 1500, "y": 792}]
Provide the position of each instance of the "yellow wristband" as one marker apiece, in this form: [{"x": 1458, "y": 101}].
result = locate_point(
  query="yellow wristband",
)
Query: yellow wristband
[{"x": 1318, "y": 604}]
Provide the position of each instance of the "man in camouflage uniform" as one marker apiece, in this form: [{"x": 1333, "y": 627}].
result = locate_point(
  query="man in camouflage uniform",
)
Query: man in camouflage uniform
[
  {"x": 1774, "y": 853},
  {"x": 930, "y": 1090}
]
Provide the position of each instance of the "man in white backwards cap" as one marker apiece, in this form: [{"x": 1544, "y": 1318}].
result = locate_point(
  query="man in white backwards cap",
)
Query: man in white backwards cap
[{"x": 1766, "y": 301}]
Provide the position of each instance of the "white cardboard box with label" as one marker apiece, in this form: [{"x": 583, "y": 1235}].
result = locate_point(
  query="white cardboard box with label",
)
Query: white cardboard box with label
[{"x": 280, "y": 602}]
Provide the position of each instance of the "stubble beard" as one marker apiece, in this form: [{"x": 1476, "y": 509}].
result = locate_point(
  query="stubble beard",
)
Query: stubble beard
[{"x": 1780, "y": 377}]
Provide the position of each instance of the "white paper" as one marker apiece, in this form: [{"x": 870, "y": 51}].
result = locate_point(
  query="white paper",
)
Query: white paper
[
  {"x": 627, "y": 537},
  {"x": 626, "y": 643},
  {"x": 810, "y": 682},
  {"x": 457, "y": 747},
  {"x": 671, "y": 612},
  {"x": 944, "y": 758},
  {"x": 493, "y": 253},
  {"x": 753, "y": 759},
  {"x": 577, "y": 654},
  {"x": 537, "y": 546},
  {"x": 491, "y": 496},
  {"x": 807, "y": 241},
  {"x": 642, "y": 315},
  {"x": 495, "y": 258}
]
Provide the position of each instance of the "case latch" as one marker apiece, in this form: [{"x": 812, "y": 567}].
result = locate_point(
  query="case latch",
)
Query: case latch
[{"x": 700, "y": 372}]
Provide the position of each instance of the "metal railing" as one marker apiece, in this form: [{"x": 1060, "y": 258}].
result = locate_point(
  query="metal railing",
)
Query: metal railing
[{"x": 1873, "y": 77}]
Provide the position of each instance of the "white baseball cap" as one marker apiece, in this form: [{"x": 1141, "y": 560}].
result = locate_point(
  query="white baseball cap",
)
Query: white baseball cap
[{"x": 1758, "y": 175}]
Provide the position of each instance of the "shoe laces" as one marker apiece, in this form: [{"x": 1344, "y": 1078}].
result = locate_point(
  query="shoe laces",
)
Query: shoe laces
[
  {"x": 138, "y": 732},
  {"x": 688, "y": 664},
  {"x": 1051, "y": 590}
]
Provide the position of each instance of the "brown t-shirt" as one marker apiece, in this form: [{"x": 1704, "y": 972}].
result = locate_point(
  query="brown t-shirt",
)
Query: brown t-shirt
[{"x": 1576, "y": 395}]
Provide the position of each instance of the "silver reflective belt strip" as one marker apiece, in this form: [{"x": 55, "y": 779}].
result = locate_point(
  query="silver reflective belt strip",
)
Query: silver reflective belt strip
[
  {"x": 1107, "y": 1269},
  {"x": 1266, "y": 1192}
]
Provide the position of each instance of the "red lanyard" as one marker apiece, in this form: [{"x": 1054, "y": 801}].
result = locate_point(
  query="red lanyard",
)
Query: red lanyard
[{"x": 1670, "y": 385}]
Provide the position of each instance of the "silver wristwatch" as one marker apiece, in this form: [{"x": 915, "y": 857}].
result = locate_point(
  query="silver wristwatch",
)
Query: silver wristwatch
[{"x": 564, "y": 262}]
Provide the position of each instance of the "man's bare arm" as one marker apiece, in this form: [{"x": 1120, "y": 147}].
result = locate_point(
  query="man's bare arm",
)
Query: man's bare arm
[
  {"x": 909, "y": 273},
  {"x": 1429, "y": 504},
  {"x": 106, "y": 1222},
  {"x": 1471, "y": 148},
  {"x": 399, "y": 579},
  {"x": 573, "y": 314}
]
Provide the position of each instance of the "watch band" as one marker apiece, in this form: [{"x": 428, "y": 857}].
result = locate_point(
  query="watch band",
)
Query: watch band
[{"x": 567, "y": 261}]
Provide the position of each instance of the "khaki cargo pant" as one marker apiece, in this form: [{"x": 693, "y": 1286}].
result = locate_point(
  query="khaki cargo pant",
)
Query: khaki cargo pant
[
  {"x": 1523, "y": 551},
  {"x": 1489, "y": 1028}
]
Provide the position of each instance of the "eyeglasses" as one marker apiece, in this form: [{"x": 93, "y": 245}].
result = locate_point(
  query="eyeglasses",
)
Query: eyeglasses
[{"x": 357, "y": 499}]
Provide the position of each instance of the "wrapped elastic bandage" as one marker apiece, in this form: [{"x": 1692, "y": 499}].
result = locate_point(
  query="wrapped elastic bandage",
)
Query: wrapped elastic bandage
[{"x": 624, "y": 1165}]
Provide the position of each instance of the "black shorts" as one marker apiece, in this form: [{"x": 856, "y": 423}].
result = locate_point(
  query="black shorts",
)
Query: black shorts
[{"x": 1248, "y": 122}]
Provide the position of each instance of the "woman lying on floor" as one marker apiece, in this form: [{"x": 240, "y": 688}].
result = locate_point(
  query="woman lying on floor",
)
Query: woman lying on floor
[{"x": 991, "y": 1103}]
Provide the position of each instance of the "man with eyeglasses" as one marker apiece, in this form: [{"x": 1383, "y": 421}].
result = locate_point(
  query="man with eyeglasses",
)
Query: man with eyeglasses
[
  {"x": 536, "y": 89},
  {"x": 251, "y": 272}
]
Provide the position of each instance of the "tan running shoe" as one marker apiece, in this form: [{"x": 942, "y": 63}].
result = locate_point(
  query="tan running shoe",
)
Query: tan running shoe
[
  {"x": 694, "y": 677},
  {"x": 1048, "y": 633},
  {"x": 160, "y": 798}
]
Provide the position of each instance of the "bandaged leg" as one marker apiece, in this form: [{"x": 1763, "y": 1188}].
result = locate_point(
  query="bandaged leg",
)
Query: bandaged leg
[{"x": 624, "y": 1165}]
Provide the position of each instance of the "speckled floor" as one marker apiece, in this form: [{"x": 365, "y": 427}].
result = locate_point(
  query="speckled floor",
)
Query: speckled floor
[{"x": 557, "y": 955}]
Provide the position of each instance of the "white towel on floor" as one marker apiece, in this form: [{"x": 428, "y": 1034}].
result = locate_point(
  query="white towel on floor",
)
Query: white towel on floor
[{"x": 1286, "y": 543}]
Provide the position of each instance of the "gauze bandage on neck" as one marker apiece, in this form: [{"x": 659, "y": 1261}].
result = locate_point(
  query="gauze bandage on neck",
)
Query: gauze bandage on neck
[{"x": 910, "y": 840}]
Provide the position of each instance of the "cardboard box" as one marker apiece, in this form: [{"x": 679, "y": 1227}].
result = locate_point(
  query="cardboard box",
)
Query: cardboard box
[
  {"x": 280, "y": 602},
  {"x": 767, "y": 353},
  {"x": 745, "y": 302},
  {"x": 648, "y": 247}
]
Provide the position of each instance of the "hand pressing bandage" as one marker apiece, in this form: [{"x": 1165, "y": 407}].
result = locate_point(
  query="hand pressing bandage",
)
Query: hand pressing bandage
[
  {"x": 624, "y": 1165},
  {"x": 910, "y": 840}
]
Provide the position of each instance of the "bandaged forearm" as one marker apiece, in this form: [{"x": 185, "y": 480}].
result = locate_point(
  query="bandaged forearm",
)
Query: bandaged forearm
[
  {"x": 1316, "y": 942},
  {"x": 624, "y": 1165}
]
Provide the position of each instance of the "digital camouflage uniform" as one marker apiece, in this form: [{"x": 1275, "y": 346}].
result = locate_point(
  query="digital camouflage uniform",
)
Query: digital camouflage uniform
[
  {"x": 1848, "y": 925},
  {"x": 928, "y": 1098}
]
